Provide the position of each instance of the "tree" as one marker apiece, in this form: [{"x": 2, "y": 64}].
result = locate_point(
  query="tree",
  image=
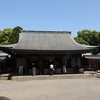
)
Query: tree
[
  {"x": 88, "y": 37},
  {"x": 4, "y": 36},
  {"x": 9, "y": 35},
  {"x": 81, "y": 41},
  {"x": 15, "y": 35}
]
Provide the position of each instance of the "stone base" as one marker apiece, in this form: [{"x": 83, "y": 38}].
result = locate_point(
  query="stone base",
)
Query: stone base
[
  {"x": 49, "y": 77},
  {"x": 4, "y": 76},
  {"x": 98, "y": 75}
]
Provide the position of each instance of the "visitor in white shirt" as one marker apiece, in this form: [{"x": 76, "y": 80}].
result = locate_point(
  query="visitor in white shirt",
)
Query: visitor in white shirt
[{"x": 51, "y": 69}]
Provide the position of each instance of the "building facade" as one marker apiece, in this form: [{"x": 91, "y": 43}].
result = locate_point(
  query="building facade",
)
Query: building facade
[
  {"x": 93, "y": 61},
  {"x": 40, "y": 48}
]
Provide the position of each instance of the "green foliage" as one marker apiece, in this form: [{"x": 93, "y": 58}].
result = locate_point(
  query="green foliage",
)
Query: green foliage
[
  {"x": 15, "y": 35},
  {"x": 88, "y": 37},
  {"x": 10, "y": 36},
  {"x": 4, "y": 36},
  {"x": 81, "y": 41}
]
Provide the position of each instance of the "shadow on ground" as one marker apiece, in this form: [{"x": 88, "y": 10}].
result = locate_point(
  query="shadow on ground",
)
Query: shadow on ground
[{"x": 4, "y": 98}]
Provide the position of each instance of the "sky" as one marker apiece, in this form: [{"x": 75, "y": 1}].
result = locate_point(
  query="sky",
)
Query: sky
[{"x": 51, "y": 15}]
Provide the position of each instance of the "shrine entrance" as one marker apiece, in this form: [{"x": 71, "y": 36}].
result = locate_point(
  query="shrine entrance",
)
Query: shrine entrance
[{"x": 42, "y": 65}]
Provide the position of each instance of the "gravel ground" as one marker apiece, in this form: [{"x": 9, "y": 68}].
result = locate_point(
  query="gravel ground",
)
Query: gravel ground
[{"x": 59, "y": 89}]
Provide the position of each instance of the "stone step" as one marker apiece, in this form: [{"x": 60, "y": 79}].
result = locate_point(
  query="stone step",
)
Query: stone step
[
  {"x": 49, "y": 77},
  {"x": 4, "y": 76},
  {"x": 98, "y": 75}
]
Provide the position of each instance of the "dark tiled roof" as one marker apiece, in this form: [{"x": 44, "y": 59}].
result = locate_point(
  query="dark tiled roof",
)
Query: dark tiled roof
[{"x": 48, "y": 40}]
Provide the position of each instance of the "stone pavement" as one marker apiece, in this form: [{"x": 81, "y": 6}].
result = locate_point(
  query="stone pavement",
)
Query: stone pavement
[{"x": 58, "y": 89}]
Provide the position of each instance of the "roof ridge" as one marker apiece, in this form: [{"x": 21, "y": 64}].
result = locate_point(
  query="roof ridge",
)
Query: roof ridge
[{"x": 46, "y": 31}]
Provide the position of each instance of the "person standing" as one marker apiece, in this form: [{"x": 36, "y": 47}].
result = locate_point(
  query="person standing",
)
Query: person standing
[
  {"x": 33, "y": 69},
  {"x": 20, "y": 70},
  {"x": 64, "y": 69},
  {"x": 51, "y": 69}
]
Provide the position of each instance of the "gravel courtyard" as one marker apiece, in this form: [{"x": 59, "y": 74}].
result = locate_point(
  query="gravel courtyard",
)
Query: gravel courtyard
[{"x": 59, "y": 89}]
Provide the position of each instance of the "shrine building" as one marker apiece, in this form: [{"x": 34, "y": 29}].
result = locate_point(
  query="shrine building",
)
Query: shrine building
[{"x": 44, "y": 47}]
